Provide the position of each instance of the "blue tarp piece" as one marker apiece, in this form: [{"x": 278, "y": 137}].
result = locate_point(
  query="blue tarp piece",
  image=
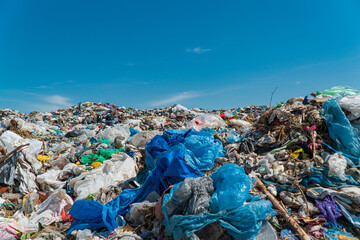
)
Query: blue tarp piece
[
  {"x": 332, "y": 234},
  {"x": 202, "y": 146},
  {"x": 352, "y": 218},
  {"x": 306, "y": 100},
  {"x": 345, "y": 136},
  {"x": 232, "y": 187},
  {"x": 233, "y": 139},
  {"x": 288, "y": 234},
  {"x": 178, "y": 155},
  {"x": 242, "y": 221},
  {"x": 323, "y": 192},
  {"x": 281, "y": 187},
  {"x": 320, "y": 176},
  {"x": 171, "y": 169},
  {"x": 133, "y": 131},
  {"x": 209, "y": 130}
]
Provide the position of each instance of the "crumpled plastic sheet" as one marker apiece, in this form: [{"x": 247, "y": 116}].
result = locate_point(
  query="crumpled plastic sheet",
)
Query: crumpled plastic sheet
[
  {"x": 351, "y": 104},
  {"x": 22, "y": 172},
  {"x": 320, "y": 176},
  {"x": 341, "y": 90},
  {"x": 11, "y": 230},
  {"x": 353, "y": 219},
  {"x": 50, "y": 179},
  {"x": 50, "y": 210},
  {"x": 13, "y": 140},
  {"x": 233, "y": 139},
  {"x": 232, "y": 187},
  {"x": 112, "y": 132},
  {"x": 171, "y": 168},
  {"x": 191, "y": 197},
  {"x": 288, "y": 234},
  {"x": 140, "y": 139},
  {"x": 110, "y": 173},
  {"x": 332, "y": 234},
  {"x": 206, "y": 121},
  {"x": 100, "y": 156},
  {"x": 242, "y": 221},
  {"x": 7, "y": 170},
  {"x": 201, "y": 147},
  {"x": 345, "y": 136},
  {"x": 321, "y": 193}
]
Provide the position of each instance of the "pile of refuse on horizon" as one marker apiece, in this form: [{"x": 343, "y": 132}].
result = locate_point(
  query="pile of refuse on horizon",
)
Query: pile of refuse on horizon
[{"x": 99, "y": 171}]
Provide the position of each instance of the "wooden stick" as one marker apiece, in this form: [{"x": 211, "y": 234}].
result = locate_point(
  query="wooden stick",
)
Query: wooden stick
[{"x": 282, "y": 211}]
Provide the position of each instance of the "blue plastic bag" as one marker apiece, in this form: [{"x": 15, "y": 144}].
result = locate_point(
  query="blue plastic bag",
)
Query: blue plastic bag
[
  {"x": 345, "y": 136},
  {"x": 320, "y": 175},
  {"x": 232, "y": 188},
  {"x": 233, "y": 139},
  {"x": 133, "y": 131},
  {"x": 173, "y": 156},
  {"x": 242, "y": 221},
  {"x": 171, "y": 168},
  {"x": 202, "y": 145}
]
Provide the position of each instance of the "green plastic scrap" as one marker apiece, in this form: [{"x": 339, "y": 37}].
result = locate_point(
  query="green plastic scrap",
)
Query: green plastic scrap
[
  {"x": 341, "y": 89},
  {"x": 100, "y": 156},
  {"x": 56, "y": 130},
  {"x": 283, "y": 147},
  {"x": 105, "y": 140},
  {"x": 90, "y": 197},
  {"x": 26, "y": 235}
]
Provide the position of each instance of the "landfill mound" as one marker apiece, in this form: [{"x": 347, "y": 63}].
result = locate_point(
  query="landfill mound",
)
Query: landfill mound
[{"x": 99, "y": 171}]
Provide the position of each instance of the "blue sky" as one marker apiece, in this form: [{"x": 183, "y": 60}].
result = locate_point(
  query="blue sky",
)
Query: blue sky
[{"x": 145, "y": 54}]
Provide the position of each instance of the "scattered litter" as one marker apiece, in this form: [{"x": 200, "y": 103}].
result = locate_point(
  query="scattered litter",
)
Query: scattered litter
[{"x": 99, "y": 171}]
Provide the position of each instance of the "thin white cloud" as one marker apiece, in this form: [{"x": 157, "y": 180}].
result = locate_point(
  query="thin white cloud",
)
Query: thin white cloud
[
  {"x": 298, "y": 82},
  {"x": 58, "y": 100},
  {"x": 43, "y": 107},
  {"x": 198, "y": 50},
  {"x": 311, "y": 65},
  {"x": 31, "y": 101},
  {"x": 176, "y": 98},
  {"x": 42, "y": 86}
]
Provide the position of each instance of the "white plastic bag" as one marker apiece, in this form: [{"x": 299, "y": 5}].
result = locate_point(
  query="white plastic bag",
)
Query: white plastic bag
[
  {"x": 50, "y": 210},
  {"x": 351, "y": 104},
  {"x": 337, "y": 165},
  {"x": 110, "y": 173},
  {"x": 50, "y": 179},
  {"x": 112, "y": 132},
  {"x": 140, "y": 139},
  {"x": 12, "y": 139},
  {"x": 206, "y": 121},
  {"x": 179, "y": 108}
]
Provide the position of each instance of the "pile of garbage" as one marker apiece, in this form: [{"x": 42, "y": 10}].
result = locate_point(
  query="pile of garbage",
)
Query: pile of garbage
[{"x": 99, "y": 171}]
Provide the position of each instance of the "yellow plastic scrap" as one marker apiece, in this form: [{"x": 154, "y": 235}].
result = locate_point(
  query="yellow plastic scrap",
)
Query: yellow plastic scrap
[
  {"x": 26, "y": 196},
  {"x": 127, "y": 228},
  {"x": 344, "y": 237},
  {"x": 43, "y": 158},
  {"x": 297, "y": 153},
  {"x": 96, "y": 164}
]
